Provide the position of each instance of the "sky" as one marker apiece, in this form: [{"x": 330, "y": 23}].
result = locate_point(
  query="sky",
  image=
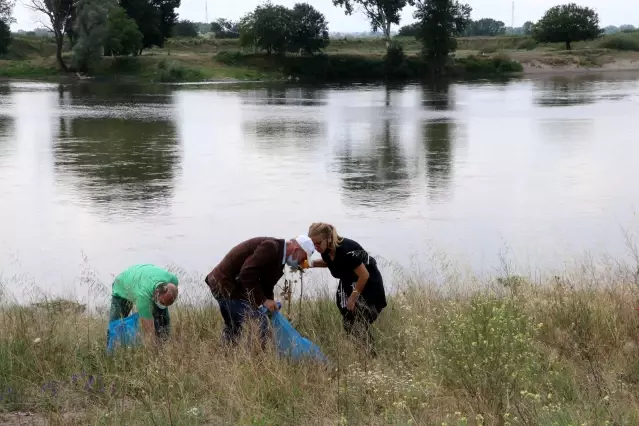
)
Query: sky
[{"x": 611, "y": 12}]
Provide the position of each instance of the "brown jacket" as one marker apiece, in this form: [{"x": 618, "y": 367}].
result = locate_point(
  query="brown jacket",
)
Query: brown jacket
[{"x": 249, "y": 271}]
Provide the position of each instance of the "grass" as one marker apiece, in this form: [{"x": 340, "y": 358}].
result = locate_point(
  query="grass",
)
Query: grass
[
  {"x": 509, "y": 352},
  {"x": 202, "y": 59}
]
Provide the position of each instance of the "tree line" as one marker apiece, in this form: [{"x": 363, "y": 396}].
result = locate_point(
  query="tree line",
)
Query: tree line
[{"x": 126, "y": 27}]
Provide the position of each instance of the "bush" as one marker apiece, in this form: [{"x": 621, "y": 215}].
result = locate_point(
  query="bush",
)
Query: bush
[
  {"x": 173, "y": 72},
  {"x": 395, "y": 61},
  {"x": 621, "y": 42},
  {"x": 527, "y": 44},
  {"x": 487, "y": 349},
  {"x": 500, "y": 64}
]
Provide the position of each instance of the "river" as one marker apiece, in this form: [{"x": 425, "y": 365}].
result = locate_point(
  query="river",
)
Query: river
[{"x": 95, "y": 177}]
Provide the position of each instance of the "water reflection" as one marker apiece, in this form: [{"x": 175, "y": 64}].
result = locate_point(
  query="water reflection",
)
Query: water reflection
[
  {"x": 376, "y": 176},
  {"x": 280, "y": 95},
  {"x": 564, "y": 91},
  {"x": 124, "y": 165},
  {"x": 437, "y": 97},
  {"x": 439, "y": 164}
]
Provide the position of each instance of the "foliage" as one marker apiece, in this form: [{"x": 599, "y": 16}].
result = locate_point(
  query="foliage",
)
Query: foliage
[
  {"x": 155, "y": 19},
  {"x": 5, "y": 37},
  {"x": 381, "y": 13},
  {"x": 621, "y": 42},
  {"x": 91, "y": 27},
  {"x": 627, "y": 28},
  {"x": 310, "y": 29},
  {"x": 277, "y": 29},
  {"x": 481, "y": 66},
  {"x": 395, "y": 62},
  {"x": 441, "y": 22},
  {"x": 567, "y": 23},
  {"x": 185, "y": 28},
  {"x": 59, "y": 14},
  {"x": 488, "y": 351},
  {"x": 123, "y": 36},
  {"x": 225, "y": 29},
  {"x": 485, "y": 27},
  {"x": 527, "y": 29},
  {"x": 6, "y": 11},
  {"x": 411, "y": 30}
]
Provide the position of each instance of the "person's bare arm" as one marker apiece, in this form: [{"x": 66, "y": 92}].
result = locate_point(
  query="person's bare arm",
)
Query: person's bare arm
[
  {"x": 362, "y": 279},
  {"x": 319, "y": 264}
]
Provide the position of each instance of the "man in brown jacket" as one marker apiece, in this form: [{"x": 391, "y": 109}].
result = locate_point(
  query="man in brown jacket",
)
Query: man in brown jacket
[{"x": 246, "y": 277}]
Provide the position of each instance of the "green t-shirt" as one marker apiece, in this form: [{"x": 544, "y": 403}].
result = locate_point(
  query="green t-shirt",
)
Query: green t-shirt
[{"x": 137, "y": 284}]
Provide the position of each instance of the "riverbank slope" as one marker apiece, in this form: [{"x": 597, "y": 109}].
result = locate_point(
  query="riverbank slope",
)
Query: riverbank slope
[
  {"x": 200, "y": 59},
  {"x": 561, "y": 352}
]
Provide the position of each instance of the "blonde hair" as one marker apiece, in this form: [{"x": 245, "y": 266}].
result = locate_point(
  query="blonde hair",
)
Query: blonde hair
[{"x": 328, "y": 232}]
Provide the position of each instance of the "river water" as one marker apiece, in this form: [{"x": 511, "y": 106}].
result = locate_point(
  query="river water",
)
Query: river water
[{"x": 95, "y": 177}]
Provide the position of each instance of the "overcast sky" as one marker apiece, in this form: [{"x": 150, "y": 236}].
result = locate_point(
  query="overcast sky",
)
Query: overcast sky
[{"x": 611, "y": 12}]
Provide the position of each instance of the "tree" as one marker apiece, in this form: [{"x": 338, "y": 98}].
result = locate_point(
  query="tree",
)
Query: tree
[
  {"x": 5, "y": 37},
  {"x": 567, "y": 23},
  {"x": 155, "y": 19},
  {"x": 123, "y": 36},
  {"x": 91, "y": 30},
  {"x": 381, "y": 13},
  {"x": 6, "y": 11},
  {"x": 247, "y": 30},
  {"x": 528, "y": 28},
  {"x": 310, "y": 29},
  {"x": 225, "y": 29},
  {"x": 627, "y": 28},
  {"x": 441, "y": 22},
  {"x": 272, "y": 27},
  {"x": 57, "y": 13},
  {"x": 411, "y": 30},
  {"x": 485, "y": 27},
  {"x": 185, "y": 29}
]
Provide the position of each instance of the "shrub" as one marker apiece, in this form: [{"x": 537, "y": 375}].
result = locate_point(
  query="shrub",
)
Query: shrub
[
  {"x": 395, "y": 61},
  {"x": 527, "y": 44},
  {"x": 621, "y": 42},
  {"x": 173, "y": 71},
  {"x": 500, "y": 64}
]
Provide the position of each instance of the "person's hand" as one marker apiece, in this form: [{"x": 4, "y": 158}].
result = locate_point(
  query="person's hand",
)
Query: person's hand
[
  {"x": 271, "y": 305},
  {"x": 352, "y": 301}
]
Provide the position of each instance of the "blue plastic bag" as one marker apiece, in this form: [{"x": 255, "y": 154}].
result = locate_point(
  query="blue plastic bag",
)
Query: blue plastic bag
[
  {"x": 290, "y": 342},
  {"x": 123, "y": 332}
]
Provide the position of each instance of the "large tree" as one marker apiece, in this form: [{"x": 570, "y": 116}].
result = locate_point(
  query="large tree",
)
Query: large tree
[
  {"x": 123, "y": 36},
  {"x": 155, "y": 19},
  {"x": 223, "y": 28},
  {"x": 185, "y": 28},
  {"x": 441, "y": 21},
  {"x": 566, "y": 24},
  {"x": 310, "y": 29},
  {"x": 90, "y": 28},
  {"x": 58, "y": 13},
  {"x": 527, "y": 29},
  {"x": 5, "y": 37},
  {"x": 381, "y": 13},
  {"x": 486, "y": 27},
  {"x": 6, "y": 11}
]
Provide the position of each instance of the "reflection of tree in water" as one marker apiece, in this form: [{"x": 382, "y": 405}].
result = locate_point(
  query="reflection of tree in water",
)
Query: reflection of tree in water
[
  {"x": 127, "y": 163},
  {"x": 564, "y": 91},
  {"x": 379, "y": 177},
  {"x": 437, "y": 96},
  {"x": 437, "y": 142},
  {"x": 282, "y": 95},
  {"x": 284, "y": 132}
]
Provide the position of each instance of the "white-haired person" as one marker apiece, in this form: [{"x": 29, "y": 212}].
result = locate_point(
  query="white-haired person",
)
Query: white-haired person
[
  {"x": 360, "y": 294},
  {"x": 245, "y": 279},
  {"x": 151, "y": 290}
]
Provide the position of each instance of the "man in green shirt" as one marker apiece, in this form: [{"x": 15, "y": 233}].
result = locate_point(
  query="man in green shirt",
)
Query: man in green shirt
[{"x": 152, "y": 290}]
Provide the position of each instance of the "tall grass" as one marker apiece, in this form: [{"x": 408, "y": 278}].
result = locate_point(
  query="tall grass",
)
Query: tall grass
[{"x": 561, "y": 352}]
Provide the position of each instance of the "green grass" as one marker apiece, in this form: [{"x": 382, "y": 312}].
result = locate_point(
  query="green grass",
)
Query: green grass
[
  {"x": 345, "y": 59},
  {"x": 560, "y": 352}
]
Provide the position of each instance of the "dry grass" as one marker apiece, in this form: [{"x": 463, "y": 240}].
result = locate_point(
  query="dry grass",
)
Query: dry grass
[{"x": 561, "y": 352}]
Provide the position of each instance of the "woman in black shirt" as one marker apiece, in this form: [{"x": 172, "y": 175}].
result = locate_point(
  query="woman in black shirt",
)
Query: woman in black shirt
[{"x": 360, "y": 295}]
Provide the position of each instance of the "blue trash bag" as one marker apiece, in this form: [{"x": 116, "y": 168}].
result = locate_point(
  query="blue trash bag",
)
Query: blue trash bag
[
  {"x": 290, "y": 342},
  {"x": 123, "y": 332}
]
